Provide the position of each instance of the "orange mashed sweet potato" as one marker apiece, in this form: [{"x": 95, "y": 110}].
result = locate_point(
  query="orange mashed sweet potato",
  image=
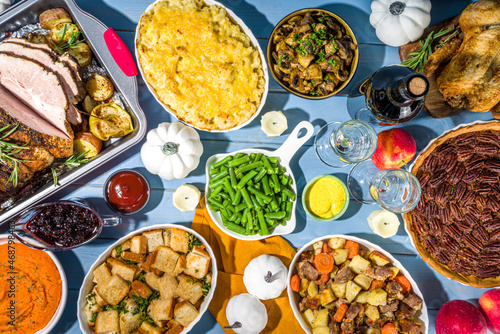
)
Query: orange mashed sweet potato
[{"x": 30, "y": 289}]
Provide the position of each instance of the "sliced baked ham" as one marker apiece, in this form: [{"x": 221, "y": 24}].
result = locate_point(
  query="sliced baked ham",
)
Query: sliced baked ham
[
  {"x": 38, "y": 87},
  {"x": 73, "y": 87}
]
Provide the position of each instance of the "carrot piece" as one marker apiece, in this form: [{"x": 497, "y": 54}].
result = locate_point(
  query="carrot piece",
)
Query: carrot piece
[
  {"x": 323, "y": 279},
  {"x": 324, "y": 263},
  {"x": 325, "y": 248},
  {"x": 295, "y": 283},
  {"x": 340, "y": 314},
  {"x": 353, "y": 248},
  {"x": 376, "y": 284},
  {"x": 389, "y": 328},
  {"x": 404, "y": 282}
]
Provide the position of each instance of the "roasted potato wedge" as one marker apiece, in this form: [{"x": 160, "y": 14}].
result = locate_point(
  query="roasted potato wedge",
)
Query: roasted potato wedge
[
  {"x": 89, "y": 104},
  {"x": 82, "y": 53},
  {"x": 87, "y": 142},
  {"x": 52, "y": 17},
  {"x": 99, "y": 88},
  {"x": 63, "y": 32}
]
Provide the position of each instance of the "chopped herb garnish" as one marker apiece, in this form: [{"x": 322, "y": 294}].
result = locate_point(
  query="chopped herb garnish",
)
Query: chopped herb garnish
[
  {"x": 141, "y": 276},
  {"x": 281, "y": 58},
  {"x": 142, "y": 307},
  {"x": 118, "y": 250},
  {"x": 94, "y": 316},
  {"x": 205, "y": 288},
  {"x": 193, "y": 241},
  {"x": 72, "y": 40},
  {"x": 121, "y": 307}
]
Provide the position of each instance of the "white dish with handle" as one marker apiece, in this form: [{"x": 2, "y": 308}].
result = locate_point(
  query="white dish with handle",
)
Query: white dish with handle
[
  {"x": 284, "y": 154},
  {"x": 294, "y": 297}
]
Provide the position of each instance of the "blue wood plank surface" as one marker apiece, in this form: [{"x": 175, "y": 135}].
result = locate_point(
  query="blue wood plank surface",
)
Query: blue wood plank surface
[{"x": 261, "y": 16}]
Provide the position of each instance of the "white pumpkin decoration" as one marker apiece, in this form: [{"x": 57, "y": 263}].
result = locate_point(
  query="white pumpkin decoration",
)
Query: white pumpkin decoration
[
  {"x": 265, "y": 277},
  {"x": 246, "y": 314},
  {"x": 398, "y": 22},
  {"x": 172, "y": 150}
]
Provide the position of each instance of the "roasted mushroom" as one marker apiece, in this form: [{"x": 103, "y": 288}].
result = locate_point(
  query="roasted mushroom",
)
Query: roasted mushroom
[{"x": 312, "y": 53}]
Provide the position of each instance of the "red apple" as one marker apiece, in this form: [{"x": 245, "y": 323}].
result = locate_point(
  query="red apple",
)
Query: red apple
[
  {"x": 489, "y": 303},
  {"x": 460, "y": 317},
  {"x": 395, "y": 148}
]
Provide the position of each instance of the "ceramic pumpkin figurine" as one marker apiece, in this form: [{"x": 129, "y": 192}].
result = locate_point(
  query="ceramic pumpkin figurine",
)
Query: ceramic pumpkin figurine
[
  {"x": 172, "y": 150},
  {"x": 246, "y": 314},
  {"x": 398, "y": 22},
  {"x": 265, "y": 277}
]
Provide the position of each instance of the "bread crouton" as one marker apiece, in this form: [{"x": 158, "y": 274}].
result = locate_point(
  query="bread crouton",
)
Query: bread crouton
[
  {"x": 180, "y": 266},
  {"x": 189, "y": 289},
  {"x": 167, "y": 235},
  {"x": 102, "y": 274},
  {"x": 90, "y": 308},
  {"x": 152, "y": 280},
  {"x": 114, "y": 290},
  {"x": 97, "y": 298},
  {"x": 165, "y": 259},
  {"x": 140, "y": 289},
  {"x": 147, "y": 264},
  {"x": 167, "y": 286},
  {"x": 185, "y": 313},
  {"x": 147, "y": 328},
  {"x": 126, "y": 271},
  {"x": 131, "y": 256},
  {"x": 139, "y": 244},
  {"x": 129, "y": 322},
  {"x": 161, "y": 309},
  {"x": 155, "y": 239},
  {"x": 175, "y": 330},
  {"x": 197, "y": 263},
  {"x": 107, "y": 321},
  {"x": 179, "y": 241}
]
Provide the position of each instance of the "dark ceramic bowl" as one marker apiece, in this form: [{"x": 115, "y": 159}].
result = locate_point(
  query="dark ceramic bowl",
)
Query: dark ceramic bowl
[{"x": 271, "y": 47}]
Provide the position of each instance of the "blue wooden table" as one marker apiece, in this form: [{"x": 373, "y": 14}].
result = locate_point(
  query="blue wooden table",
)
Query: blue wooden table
[{"x": 261, "y": 16}]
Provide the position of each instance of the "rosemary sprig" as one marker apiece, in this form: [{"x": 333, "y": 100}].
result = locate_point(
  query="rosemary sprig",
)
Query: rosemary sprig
[
  {"x": 419, "y": 58},
  {"x": 72, "y": 40},
  {"x": 73, "y": 161},
  {"x": 7, "y": 152}
]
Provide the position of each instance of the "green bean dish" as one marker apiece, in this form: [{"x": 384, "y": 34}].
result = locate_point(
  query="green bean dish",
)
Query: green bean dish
[{"x": 252, "y": 193}]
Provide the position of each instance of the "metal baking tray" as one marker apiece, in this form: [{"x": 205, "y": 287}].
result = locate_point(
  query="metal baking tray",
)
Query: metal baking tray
[{"x": 27, "y": 12}]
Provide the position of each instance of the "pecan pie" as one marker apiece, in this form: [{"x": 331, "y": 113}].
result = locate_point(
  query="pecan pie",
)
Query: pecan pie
[{"x": 456, "y": 225}]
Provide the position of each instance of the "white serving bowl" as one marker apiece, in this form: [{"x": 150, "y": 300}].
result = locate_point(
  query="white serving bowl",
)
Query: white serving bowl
[
  {"x": 87, "y": 281},
  {"x": 64, "y": 291},
  {"x": 255, "y": 44},
  {"x": 284, "y": 154},
  {"x": 293, "y": 296}
]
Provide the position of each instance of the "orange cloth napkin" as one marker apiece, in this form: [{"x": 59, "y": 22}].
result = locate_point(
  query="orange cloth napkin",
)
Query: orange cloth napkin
[{"x": 232, "y": 257}]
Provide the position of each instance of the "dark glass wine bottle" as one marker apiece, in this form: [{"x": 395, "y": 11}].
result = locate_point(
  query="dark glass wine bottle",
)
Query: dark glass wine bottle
[{"x": 395, "y": 94}]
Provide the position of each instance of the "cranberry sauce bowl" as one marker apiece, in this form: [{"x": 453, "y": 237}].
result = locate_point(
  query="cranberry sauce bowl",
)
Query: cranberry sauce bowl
[
  {"x": 126, "y": 192},
  {"x": 60, "y": 225}
]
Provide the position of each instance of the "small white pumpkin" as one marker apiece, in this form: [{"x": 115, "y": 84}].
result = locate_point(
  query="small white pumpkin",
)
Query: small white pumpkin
[
  {"x": 172, "y": 150},
  {"x": 398, "y": 22},
  {"x": 246, "y": 314},
  {"x": 265, "y": 277}
]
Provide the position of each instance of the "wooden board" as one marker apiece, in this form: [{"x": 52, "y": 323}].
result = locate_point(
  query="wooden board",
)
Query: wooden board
[{"x": 435, "y": 105}]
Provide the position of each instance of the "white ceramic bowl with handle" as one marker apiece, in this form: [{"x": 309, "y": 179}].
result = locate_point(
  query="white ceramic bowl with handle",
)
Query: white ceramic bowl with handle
[
  {"x": 4, "y": 238},
  {"x": 294, "y": 297},
  {"x": 284, "y": 154},
  {"x": 255, "y": 44},
  {"x": 88, "y": 284}
]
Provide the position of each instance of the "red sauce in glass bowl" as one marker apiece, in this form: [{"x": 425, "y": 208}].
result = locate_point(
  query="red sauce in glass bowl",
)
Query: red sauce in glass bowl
[{"x": 127, "y": 191}]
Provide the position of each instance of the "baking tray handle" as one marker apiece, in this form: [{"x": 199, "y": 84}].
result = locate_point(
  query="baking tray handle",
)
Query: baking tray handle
[{"x": 120, "y": 53}]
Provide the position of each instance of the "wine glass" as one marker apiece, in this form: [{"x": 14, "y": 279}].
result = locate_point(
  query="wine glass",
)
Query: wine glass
[
  {"x": 339, "y": 144},
  {"x": 396, "y": 190}
]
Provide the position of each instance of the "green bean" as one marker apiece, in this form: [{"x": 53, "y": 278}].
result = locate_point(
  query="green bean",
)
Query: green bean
[
  {"x": 233, "y": 217},
  {"x": 224, "y": 213},
  {"x": 250, "y": 220},
  {"x": 247, "y": 228},
  {"x": 235, "y": 228},
  {"x": 284, "y": 180},
  {"x": 262, "y": 222},
  {"x": 232, "y": 177},
  {"x": 283, "y": 197},
  {"x": 261, "y": 174},
  {"x": 255, "y": 203},
  {"x": 267, "y": 165},
  {"x": 241, "y": 207},
  {"x": 273, "y": 160},
  {"x": 265, "y": 184},
  {"x": 274, "y": 204},
  {"x": 224, "y": 195},
  {"x": 213, "y": 207},
  {"x": 244, "y": 217},
  {"x": 213, "y": 171},
  {"x": 250, "y": 183},
  {"x": 216, "y": 202},
  {"x": 289, "y": 193},
  {"x": 282, "y": 222},
  {"x": 250, "y": 175},
  {"x": 257, "y": 157},
  {"x": 239, "y": 161},
  {"x": 228, "y": 187},
  {"x": 246, "y": 197},
  {"x": 215, "y": 184},
  {"x": 239, "y": 155},
  {"x": 276, "y": 215},
  {"x": 238, "y": 219},
  {"x": 248, "y": 167},
  {"x": 269, "y": 222},
  {"x": 231, "y": 208},
  {"x": 237, "y": 198},
  {"x": 222, "y": 162},
  {"x": 289, "y": 206},
  {"x": 216, "y": 190},
  {"x": 223, "y": 168},
  {"x": 283, "y": 206},
  {"x": 260, "y": 195},
  {"x": 276, "y": 182}
]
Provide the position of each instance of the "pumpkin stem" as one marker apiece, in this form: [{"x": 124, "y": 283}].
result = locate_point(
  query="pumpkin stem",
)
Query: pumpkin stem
[
  {"x": 169, "y": 148},
  {"x": 237, "y": 324},
  {"x": 269, "y": 277},
  {"x": 397, "y": 8}
]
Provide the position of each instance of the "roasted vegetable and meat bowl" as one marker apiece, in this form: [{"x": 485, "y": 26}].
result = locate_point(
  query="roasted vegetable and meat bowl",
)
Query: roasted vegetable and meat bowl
[
  {"x": 51, "y": 105},
  {"x": 342, "y": 284},
  {"x": 312, "y": 53}
]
